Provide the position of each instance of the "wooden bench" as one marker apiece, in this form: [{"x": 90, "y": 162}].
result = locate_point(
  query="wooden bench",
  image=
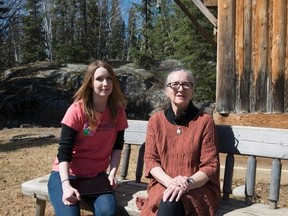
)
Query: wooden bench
[{"x": 248, "y": 141}]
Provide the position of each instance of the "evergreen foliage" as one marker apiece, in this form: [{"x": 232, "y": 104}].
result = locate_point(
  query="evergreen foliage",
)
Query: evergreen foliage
[
  {"x": 117, "y": 29},
  {"x": 78, "y": 30},
  {"x": 132, "y": 32},
  {"x": 33, "y": 39},
  {"x": 5, "y": 38}
]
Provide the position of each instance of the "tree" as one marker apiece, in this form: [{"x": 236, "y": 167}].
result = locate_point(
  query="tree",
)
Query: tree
[
  {"x": 103, "y": 31},
  {"x": 93, "y": 28},
  {"x": 64, "y": 31},
  {"x": 132, "y": 32},
  {"x": 117, "y": 29},
  {"x": 142, "y": 53},
  {"x": 33, "y": 39},
  {"x": 10, "y": 33},
  {"x": 47, "y": 26},
  {"x": 4, "y": 22},
  {"x": 163, "y": 31}
]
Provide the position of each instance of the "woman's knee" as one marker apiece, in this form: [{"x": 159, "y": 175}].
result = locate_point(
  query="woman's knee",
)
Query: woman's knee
[
  {"x": 170, "y": 208},
  {"x": 105, "y": 205}
]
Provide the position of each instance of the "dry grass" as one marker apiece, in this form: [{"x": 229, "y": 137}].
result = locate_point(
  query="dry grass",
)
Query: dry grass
[{"x": 24, "y": 160}]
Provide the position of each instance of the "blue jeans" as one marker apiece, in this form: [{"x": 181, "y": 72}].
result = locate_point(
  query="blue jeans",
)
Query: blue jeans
[{"x": 102, "y": 205}]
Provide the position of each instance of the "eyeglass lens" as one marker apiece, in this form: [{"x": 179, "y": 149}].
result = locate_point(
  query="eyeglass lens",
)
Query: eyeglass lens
[{"x": 176, "y": 85}]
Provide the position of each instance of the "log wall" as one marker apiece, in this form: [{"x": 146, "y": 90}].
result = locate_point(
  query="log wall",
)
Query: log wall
[{"x": 252, "y": 59}]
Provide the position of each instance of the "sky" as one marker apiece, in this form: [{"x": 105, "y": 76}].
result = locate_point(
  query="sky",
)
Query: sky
[{"x": 125, "y": 5}]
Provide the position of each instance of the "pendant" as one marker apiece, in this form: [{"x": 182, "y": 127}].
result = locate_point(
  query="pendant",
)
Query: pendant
[{"x": 178, "y": 131}]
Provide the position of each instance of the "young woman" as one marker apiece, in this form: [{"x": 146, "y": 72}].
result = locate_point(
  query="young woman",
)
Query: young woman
[
  {"x": 181, "y": 155},
  {"x": 92, "y": 138}
]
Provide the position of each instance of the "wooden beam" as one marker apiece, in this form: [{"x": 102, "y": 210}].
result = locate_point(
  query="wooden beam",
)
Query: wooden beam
[
  {"x": 210, "y": 3},
  {"x": 226, "y": 77},
  {"x": 260, "y": 65},
  {"x": 253, "y": 119},
  {"x": 247, "y": 57},
  {"x": 241, "y": 83},
  {"x": 278, "y": 34},
  {"x": 206, "y": 12}
]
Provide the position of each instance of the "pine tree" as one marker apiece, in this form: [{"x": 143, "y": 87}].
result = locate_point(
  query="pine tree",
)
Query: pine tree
[
  {"x": 93, "y": 28},
  {"x": 162, "y": 33},
  {"x": 117, "y": 29},
  {"x": 33, "y": 40},
  {"x": 104, "y": 31},
  {"x": 60, "y": 30},
  {"x": 65, "y": 32},
  {"x": 5, "y": 37},
  {"x": 132, "y": 33},
  {"x": 142, "y": 53}
]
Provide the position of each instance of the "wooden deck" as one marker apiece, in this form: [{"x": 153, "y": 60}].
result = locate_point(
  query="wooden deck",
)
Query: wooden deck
[{"x": 234, "y": 207}]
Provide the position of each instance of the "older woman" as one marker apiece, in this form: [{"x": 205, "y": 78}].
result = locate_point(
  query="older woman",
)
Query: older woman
[{"x": 181, "y": 155}]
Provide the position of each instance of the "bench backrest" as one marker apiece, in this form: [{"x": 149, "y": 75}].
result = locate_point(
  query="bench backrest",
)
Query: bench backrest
[
  {"x": 257, "y": 141},
  {"x": 244, "y": 140},
  {"x": 136, "y": 132}
]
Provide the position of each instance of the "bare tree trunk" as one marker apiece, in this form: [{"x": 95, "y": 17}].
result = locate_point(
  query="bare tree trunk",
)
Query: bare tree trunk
[{"x": 48, "y": 28}]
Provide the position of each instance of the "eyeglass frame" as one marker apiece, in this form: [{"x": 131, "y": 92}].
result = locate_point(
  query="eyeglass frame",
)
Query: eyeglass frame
[{"x": 180, "y": 84}]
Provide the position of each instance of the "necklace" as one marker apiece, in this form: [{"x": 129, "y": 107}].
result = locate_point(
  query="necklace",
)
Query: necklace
[{"x": 178, "y": 131}]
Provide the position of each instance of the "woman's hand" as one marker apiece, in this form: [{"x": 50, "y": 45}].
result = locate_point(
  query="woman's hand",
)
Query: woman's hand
[
  {"x": 181, "y": 181},
  {"x": 113, "y": 181},
  {"x": 70, "y": 195},
  {"x": 177, "y": 187}
]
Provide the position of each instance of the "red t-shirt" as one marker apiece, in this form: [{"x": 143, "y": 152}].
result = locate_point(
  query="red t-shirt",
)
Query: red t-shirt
[{"x": 93, "y": 146}]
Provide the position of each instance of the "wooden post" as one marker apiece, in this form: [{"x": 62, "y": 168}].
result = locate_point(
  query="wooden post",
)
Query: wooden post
[
  {"x": 140, "y": 162},
  {"x": 125, "y": 161},
  {"x": 40, "y": 207},
  {"x": 228, "y": 176},
  {"x": 275, "y": 183},
  {"x": 250, "y": 179}
]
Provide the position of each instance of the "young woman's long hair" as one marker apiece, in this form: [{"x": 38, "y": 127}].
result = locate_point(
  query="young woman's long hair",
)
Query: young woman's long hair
[{"x": 85, "y": 92}]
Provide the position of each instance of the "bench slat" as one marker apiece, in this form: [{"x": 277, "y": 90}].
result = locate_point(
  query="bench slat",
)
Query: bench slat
[
  {"x": 136, "y": 132},
  {"x": 262, "y": 142}
]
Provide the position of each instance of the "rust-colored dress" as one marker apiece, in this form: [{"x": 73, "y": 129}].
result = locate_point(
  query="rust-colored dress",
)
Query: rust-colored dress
[{"x": 194, "y": 149}]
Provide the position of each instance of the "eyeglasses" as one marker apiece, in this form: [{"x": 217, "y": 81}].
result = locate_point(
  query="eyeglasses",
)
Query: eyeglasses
[{"x": 176, "y": 85}]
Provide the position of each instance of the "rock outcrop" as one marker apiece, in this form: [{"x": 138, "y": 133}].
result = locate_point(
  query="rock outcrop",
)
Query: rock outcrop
[{"x": 39, "y": 93}]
